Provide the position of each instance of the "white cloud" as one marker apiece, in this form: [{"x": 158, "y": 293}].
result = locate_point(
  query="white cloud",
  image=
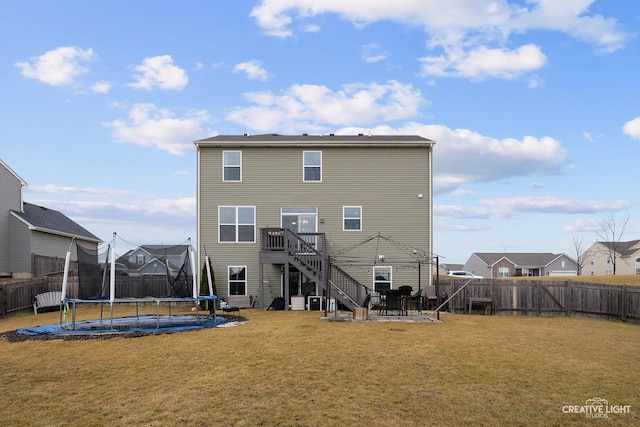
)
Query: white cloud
[
  {"x": 101, "y": 87},
  {"x": 311, "y": 108},
  {"x": 474, "y": 34},
  {"x": 483, "y": 62},
  {"x": 548, "y": 204},
  {"x": 583, "y": 225},
  {"x": 632, "y": 128},
  {"x": 500, "y": 208},
  {"x": 87, "y": 191},
  {"x": 150, "y": 126},
  {"x": 253, "y": 69},
  {"x": 159, "y": 71},
  {"x": 373, "y": 52},
  {"x": 173, "y": 219},
  {"x": 57, "y": 67},
  {"x": 463, "y": 156}
]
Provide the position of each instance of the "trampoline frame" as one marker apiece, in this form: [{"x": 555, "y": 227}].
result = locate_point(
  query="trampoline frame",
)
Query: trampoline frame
[{"x": 135, "y": 301}]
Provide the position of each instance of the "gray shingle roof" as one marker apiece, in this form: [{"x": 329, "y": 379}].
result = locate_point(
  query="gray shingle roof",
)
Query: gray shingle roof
[
  {"x": 48, "y": 220},
  {"x": 623, "y": 248},
  {"x": 324, "y": 140},
  {"x": 520, "y": 259}
]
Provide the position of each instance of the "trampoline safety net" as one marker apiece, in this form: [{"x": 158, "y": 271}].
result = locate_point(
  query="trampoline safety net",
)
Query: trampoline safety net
[{"x": 94, "y": 279}]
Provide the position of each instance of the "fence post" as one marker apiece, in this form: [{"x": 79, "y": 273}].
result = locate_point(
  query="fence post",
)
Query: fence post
[
  {"x": 568, "y": 297},
  {"x": 623, "y": 308},
  {"x": 3, "y": 301}
]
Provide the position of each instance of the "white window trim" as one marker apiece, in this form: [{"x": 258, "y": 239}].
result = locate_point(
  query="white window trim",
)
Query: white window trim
[
  {"x": 237, "y": 225},
  {"x": 345, "y": 218},
  {"x": 304, "y": 165},
  {"x": 246, "y": 278},
  {"x": 225, "y": 165},
  {"x": 390, "y": 275}
]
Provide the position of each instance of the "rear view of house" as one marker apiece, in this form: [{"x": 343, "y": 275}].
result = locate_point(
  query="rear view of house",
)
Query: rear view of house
[{"x": 284, "y": 216}]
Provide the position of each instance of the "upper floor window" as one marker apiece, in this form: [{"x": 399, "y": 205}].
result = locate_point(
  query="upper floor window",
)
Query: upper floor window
[
  {"x": 237, "y": 280},
  {"x": 140, "y": 259},
  {"x": 237, "y": 223},
  {"x": 352, "y": 218},
  {"x": 608, "y": 260},
  {"x": 312, "y": 161},
  {"x": 232, "y": 166},
  {"x": 593, "y": 261}
]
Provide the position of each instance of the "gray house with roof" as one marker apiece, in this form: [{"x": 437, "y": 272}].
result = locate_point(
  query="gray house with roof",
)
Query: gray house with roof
[
  {"x": 505, "y": 264},
  {"x": 150, "y": 260},
  {"x": 28, "y": 230}
]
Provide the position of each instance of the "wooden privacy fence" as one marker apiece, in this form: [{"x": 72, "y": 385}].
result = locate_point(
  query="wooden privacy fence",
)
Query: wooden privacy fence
[
  {"x": 18, "y": 296},
  {"x": 548, "y": 298},
  {"x": 43, "y": 265}
]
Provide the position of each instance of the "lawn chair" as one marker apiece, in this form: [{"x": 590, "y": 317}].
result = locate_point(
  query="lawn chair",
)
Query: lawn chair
[
  {"x": 416, "y": 302},
  {"x": 432, "y": 297}
]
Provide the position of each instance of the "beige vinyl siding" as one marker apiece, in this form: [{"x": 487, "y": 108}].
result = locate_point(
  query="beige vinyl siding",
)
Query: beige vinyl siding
[{"x": 384, "y": 181}]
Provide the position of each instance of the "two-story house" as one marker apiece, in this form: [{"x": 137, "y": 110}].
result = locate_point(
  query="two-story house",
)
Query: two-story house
[
  {"x": 503, "y": 264},
  {"x": 599, "y": 259},
  {"x": 151, "y": 260},
  {"x": 29, "y": 233},
  {"x": 311, "y": 215}
]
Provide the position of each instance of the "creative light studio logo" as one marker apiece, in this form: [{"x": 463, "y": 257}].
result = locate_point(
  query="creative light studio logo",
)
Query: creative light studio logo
[{"x": 596, "y": 407}]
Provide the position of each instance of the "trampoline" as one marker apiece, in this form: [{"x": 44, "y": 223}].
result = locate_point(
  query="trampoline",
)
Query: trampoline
[{"x": 97, "y": 281}]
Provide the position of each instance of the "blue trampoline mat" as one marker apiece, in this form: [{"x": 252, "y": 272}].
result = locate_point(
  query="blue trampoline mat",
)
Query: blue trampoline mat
[{"x": 142, "y": 323}]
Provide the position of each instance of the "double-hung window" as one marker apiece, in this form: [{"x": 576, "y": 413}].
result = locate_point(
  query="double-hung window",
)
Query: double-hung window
[
  {"x": 312, "y": 163},
  {"x": 381, "y": 278},
  {"x": 237, "y": 223},
  {"x": 237, "y": 280},
  {"x": 232, "y": 166},
  {"x": 352, "y": 218}
]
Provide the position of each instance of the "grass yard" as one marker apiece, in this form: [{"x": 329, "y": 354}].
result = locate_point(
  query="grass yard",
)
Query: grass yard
[{"x": 293, "y": 369}]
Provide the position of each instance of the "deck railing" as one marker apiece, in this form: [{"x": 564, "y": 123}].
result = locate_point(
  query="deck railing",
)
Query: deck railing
[{"x": 308, "y": 250}]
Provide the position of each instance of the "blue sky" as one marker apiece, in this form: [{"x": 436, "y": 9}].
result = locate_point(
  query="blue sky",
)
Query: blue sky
[{"x": 534, "y": 105}]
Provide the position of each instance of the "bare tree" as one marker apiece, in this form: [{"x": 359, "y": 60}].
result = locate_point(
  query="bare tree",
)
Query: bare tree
[
  {"x": 610, "y": 236},
  {"x": 579, "y": 250}
]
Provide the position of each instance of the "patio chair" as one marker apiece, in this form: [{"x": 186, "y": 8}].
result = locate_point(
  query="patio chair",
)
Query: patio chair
[
  {"x": 416, "y": 302},
  {"x": 432, "y": 297}
]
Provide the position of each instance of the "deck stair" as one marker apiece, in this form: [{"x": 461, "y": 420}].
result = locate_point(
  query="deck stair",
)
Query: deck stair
[{"x": 302, "y": 253}]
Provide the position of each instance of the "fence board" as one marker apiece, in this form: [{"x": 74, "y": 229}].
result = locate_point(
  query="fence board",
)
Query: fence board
[{"x": 549, "y": 298}]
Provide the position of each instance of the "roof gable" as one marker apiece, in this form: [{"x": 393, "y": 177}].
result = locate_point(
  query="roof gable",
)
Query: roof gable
[
  {"x": 22, "y": 181},
  {"x": 623, "y": 248},
  {"x": 51, "y": 221}
]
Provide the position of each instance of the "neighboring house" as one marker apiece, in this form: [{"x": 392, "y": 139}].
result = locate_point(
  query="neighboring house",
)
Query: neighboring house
[
  {"x": 154, "y": 259},
  {"x": 272, "y": 209},
  {"x": 28, "y": 231},
  {"x": 501, "y": 264},
  {"x": 599, "y": 258}
]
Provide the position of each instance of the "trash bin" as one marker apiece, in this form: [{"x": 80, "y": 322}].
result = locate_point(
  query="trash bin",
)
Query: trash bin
[{"x": 297, "y": 302}]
